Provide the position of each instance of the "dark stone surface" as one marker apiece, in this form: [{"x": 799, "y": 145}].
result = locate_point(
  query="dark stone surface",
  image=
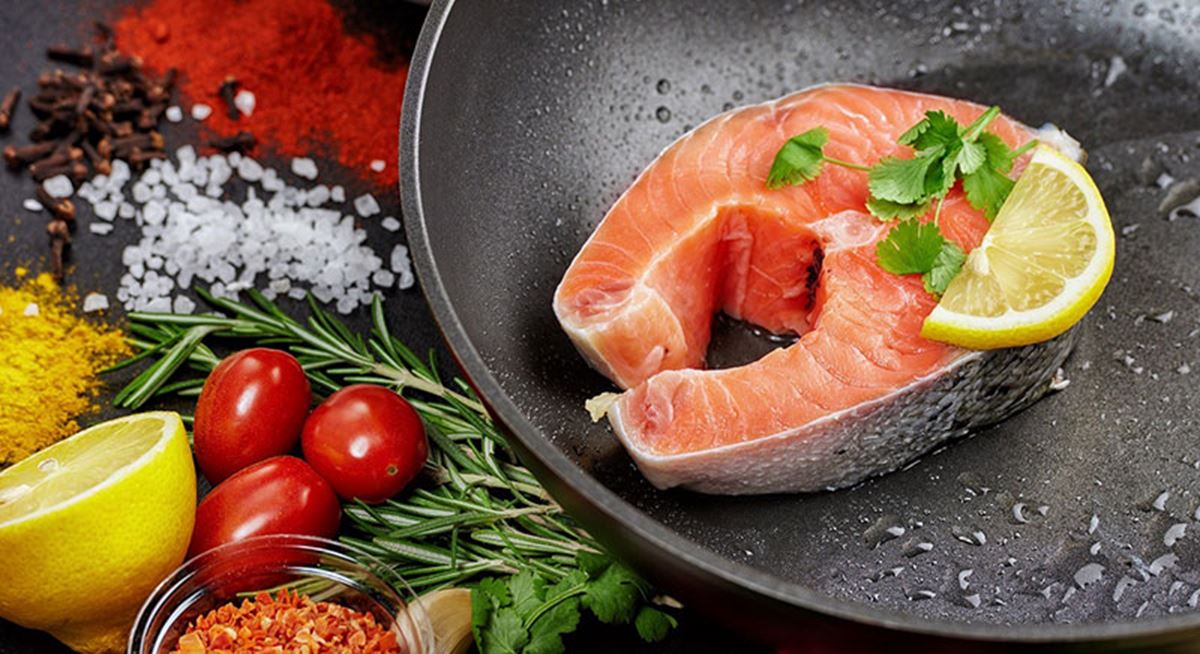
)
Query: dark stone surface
[{"x": 28, "y": 27}]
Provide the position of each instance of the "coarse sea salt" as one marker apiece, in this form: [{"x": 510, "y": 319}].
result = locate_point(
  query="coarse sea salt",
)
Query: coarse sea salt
[
  {"x": 274, "y": 235},
  {"x": 59, "y": 186},
  {"x": 174, "y": 114},
  {"x": 244, "y": 101},
  {"x": 304, "y": 167},
  {"x": 366, "y": 205},
  {"x": 32, "y": 205},
  {"x": 390, "y": 224},
  {"x": 378, "y": 165},
  {"x": 201, "y": 111},
  {"x": 94, "y": 302}
]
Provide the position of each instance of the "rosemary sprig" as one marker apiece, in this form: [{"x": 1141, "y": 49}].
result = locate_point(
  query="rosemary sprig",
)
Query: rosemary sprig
[{"x": 476, "y": 515}]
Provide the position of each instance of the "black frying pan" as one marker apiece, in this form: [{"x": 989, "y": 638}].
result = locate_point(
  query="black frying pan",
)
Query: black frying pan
[{"x": 525, "y": 120}]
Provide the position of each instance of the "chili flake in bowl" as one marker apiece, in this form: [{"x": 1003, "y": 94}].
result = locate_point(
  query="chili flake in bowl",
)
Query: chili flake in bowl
[
  {"x": 282, "y": 594},
  {"x": 289, "y": 622}
]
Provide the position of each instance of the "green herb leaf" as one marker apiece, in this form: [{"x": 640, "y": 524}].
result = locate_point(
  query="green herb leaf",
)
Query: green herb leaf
[
  {"x": 911, "y": 247},
  {"x": 547, "y": 631},
  {"x": 527, "y": 591},
  {"x": 885, "y": 210},
  {"x": 998, "y": 154},
  {"x": 900, "y": 180},
  {"x": 972, "y": 155},
  {"x": 593, "y": 564},
  {"x": 946, "y": 266},
  {"x": 936, "y": 129},
  {"x": 613, "y": 596},
  {"x": 799, "y": 160},
  {"x": 653, "y": 625},
  {"x": 987, "y": 189},
  {"x": 505, "y": 635}
]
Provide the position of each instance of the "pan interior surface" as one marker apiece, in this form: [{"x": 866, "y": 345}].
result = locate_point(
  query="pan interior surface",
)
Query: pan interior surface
[{"x": 1079, "y": 511}]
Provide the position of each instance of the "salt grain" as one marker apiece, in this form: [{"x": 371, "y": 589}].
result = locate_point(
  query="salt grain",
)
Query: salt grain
[
  {"x": 59, "y": 186},
  {"x": 201, "y": 111},
  {"x": 390, "y": 224},
  {"x": 250, "y": 170},
  {"x": 32, "y": 205},
  {"x": 366, "y": 205},
  {"x": 285, "y": 238},
  {"x": 244, "y": 101},
  {"x": 304, "y": 167},
  {"x": 378, "y": 165},
  {"x": 401, "y": 265},
  {"x": 174, "y": 114},
  {"x": 100, "y": 228},
  {"x": 31, "y": 310},
  {"x": 94, "y": 302}
]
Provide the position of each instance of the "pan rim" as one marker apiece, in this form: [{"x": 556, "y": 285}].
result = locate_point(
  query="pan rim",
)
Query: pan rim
[{"x": 647, "y": 531}]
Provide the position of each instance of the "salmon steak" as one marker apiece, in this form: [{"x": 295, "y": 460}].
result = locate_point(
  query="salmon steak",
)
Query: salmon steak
[{"x": 859, "y": 392}]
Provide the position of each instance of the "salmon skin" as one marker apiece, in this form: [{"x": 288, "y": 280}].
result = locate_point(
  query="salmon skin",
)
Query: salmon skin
[{"x": 860, "y": 392}]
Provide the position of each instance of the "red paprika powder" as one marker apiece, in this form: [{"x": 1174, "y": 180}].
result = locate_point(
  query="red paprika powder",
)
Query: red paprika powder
[{"x": 318, "y": 90}]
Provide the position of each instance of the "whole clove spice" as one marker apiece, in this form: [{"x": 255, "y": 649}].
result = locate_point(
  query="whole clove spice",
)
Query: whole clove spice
[
  {"x": 242, "y": 142},
  {"x": 108, "y": 110},
  {"x": 6, "y": 107},
  {"x": 228, "y": 92}
]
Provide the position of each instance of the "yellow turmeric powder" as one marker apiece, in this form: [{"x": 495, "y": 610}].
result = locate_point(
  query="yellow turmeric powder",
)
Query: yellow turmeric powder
[{"x": 50, "y": 360}]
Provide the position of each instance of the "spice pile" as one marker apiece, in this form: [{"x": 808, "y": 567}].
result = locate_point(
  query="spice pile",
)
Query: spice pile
[
  {"x": 193, "y": 231},
  {"x": 289, "y": 622},
  {"x": 108, "y": 110},
  {"x": 315, "y": 88},
  {"x": 51, "y": 361}
]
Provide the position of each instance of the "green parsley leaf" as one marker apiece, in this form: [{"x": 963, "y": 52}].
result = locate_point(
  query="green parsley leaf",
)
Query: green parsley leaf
[
  {"x": 911, "y": 247},
  {"x": 653, "y": 625},
  {"x": 900, "y": 180},
  {"x": 987, "y": 189},
  {"x": 936, "y": 129},
  {"x": 799, "y": 160},
  {"x": 547, "y": 631},
  {"x": 613, "y": 595},
  {"x": 527, "y": 591},
  {"x": 945, "y": 267},
  {"x": 999, "y": 156},
  {"x": 487, "y": 596},
  {"x": 972, "y": 155},
  {"x": 885, "y": 210},
  {"x": 593, "y": 564},
  {"x": 505, "y": 634}
]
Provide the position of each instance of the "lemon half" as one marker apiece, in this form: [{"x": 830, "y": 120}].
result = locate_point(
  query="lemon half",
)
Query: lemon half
[
  {"x": 1041, "y": 266},
  {"x": 89, "y": 526}
]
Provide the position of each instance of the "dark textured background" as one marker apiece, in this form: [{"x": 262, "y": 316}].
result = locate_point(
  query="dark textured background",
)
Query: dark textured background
[{"x": 28, "y": 26}]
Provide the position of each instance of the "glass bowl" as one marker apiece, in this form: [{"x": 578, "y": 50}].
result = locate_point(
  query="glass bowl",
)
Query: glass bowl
[{"x": 326, "y": 570}]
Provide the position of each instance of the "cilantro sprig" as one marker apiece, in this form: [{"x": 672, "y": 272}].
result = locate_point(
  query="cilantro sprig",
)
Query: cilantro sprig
[
  {"x": 526, "y": 614},
  {"x": 802, "y": 158},
  {"x": 944, "y": 153}
]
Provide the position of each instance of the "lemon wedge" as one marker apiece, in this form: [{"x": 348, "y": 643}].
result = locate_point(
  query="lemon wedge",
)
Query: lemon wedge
[
  {"x": 1041, "y": 266},
  {"x": 89, "y": 526}
]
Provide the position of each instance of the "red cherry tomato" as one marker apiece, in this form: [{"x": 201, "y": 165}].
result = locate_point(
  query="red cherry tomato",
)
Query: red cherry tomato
[
  {"x": 252, "y": 408},
  {"x": 282, "y": 495},
  {"x": 367, "y": 441}
]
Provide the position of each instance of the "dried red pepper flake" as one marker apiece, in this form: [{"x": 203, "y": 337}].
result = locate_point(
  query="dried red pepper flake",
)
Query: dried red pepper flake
[{"x": 289, "y": 623}]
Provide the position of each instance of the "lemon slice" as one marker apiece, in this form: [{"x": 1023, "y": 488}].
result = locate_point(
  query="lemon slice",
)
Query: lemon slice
[
  {"x": 1041, "y": 266},
  {"x": 90, "y": 525}
]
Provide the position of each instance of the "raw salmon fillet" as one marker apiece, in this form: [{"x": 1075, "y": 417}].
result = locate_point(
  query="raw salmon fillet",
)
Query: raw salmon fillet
[{"x": 860, "y": 392}]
